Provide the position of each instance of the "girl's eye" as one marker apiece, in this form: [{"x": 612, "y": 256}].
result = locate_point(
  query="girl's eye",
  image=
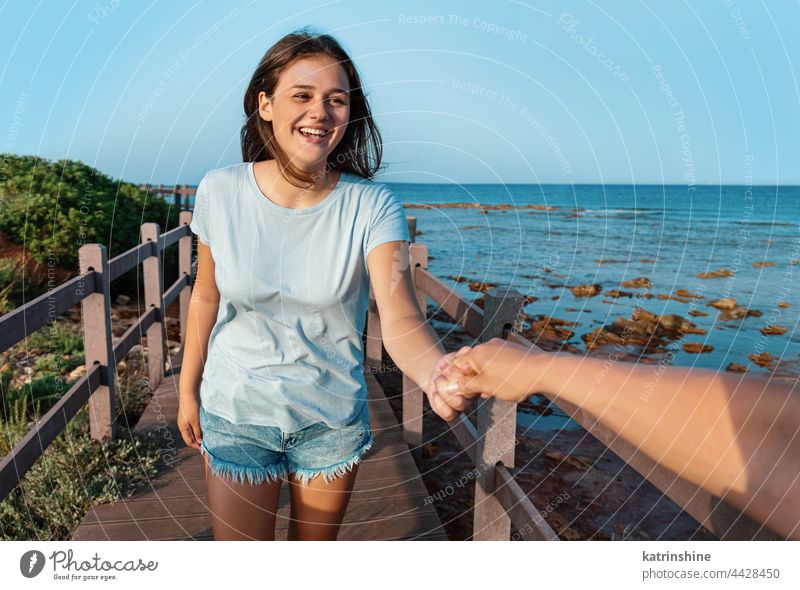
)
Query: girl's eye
[
  {"x": 301, "y": 95},
  {"x": 339, "y": 100}
]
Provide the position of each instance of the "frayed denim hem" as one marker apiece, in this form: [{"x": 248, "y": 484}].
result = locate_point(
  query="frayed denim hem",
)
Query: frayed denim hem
[
  {"x": 334, "y": 471},
  {"x": 238, "y": 474}
]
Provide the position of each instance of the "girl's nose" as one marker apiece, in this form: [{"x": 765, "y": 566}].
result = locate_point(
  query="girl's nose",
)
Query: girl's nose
[{"x": 319, "y": 109}]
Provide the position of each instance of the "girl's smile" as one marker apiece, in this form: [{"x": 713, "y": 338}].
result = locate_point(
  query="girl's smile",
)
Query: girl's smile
[{"x": 314, "y": 134}]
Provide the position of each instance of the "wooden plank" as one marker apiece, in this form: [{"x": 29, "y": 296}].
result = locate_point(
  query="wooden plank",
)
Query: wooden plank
[
  {"x": 176, "y": 289},
  {"x": 129, "y": 259},
  {"x": 153, "y": 509},
  {"x": 98, "y": 342},
  {"x": 185, "y": 269},
  {"x": 413, "y": 395},
  {"x": 199, "y": 528},
  {"x": 360, "y": 510},
  {"x": 151, "y": 530},
  {"x": 529, "y": 522},
  {"x": 173, "y": 235}
]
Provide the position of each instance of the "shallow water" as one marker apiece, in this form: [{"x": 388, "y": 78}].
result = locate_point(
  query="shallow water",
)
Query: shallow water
[{"x": 678, "y": 232}]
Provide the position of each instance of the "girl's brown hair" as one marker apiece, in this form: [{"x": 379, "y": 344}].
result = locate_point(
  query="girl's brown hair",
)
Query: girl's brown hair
[{"x": 359, "y": 150}]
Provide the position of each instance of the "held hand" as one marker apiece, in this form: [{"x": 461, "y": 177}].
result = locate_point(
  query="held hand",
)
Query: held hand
[
  {"x": 496, "y": 368},
  {"x": 189, "y": 420},
  {"x": 435, "y": 390}
]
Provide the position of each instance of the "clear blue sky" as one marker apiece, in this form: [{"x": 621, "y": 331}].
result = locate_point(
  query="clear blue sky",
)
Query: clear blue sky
[{"x": 533, "y": 91}]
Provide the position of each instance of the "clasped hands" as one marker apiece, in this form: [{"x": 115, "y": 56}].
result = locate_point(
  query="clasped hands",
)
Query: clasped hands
[{"x": 497, "y": 368}]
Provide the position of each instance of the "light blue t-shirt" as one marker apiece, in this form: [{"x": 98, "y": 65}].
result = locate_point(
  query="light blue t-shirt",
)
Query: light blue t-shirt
[{"x": 286, "y": 348}]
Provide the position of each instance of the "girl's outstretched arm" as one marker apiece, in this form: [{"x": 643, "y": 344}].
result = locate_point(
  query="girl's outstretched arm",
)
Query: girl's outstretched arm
[
  {"x": 409, "y": 339},
  {"x": 736, "y": 436}
]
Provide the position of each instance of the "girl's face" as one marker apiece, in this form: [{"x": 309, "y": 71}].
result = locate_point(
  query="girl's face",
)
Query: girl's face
[{"x": 309, "y": 110}]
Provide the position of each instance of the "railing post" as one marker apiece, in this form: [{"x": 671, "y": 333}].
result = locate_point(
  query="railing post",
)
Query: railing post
[
  {"x": 412, "y": 227},
  {"x": 154, "y": 298},
  {"x": 98, "y": 341},
  {"x": 374, "y": 346},
  {"x": 185, "y": 270},
  {"x": 412, "y": 393},
  {"x": 497, "y": 426}
]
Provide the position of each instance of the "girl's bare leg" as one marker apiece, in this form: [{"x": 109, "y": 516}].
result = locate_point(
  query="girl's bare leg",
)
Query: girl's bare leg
[
  {"x": 241, "y": 511},
  {"x": 318, "y": 507}
]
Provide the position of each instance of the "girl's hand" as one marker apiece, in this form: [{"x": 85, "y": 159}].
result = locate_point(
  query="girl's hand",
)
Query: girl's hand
[
  {"x": 189, "y": 420},
  {"x": 496, "y": 368},
  {"x": 435, "y": 390}
]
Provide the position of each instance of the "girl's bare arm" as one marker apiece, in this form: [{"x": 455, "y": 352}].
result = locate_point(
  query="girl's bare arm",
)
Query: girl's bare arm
[
  {"x": 201, "y": 317},
  {"x": 409, "y": 339}
]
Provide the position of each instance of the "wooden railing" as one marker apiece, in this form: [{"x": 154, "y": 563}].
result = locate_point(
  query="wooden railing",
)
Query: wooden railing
[
  {"x": 499, "y": 500},
  {"x": 91, "y": 288}
]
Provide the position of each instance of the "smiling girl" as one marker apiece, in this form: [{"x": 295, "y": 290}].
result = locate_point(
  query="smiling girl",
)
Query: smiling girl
[{"x": 289, "y": 241}]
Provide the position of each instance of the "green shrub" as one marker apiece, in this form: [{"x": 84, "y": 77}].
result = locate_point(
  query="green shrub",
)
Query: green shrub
[
  {"x": 13, "y": 291},
  {"x": 55, "y": 207},
  {"x": 56, "y": 350},
  {"x": 45, "y": 389},
  {"x": 59, "y": 337}
]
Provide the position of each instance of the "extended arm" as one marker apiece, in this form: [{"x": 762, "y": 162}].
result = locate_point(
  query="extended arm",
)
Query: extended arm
[
  {"x": 409, "y": 339},
  {"x": 736, "y": 436}
]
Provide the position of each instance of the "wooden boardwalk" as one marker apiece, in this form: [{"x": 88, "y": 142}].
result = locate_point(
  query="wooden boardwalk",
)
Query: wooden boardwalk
[{"x": 388, "y": 501}]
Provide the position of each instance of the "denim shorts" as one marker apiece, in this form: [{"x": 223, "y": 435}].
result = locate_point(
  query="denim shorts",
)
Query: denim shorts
[{"x": 263, "y": 453}]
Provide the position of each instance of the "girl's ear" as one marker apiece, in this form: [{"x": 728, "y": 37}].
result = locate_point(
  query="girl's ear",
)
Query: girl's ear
[{"x": 264, "y": 106}]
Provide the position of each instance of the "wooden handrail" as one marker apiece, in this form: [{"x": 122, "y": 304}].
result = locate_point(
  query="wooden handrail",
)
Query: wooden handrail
[
  {"x": 167, "y": 239},
  {"x": 464, "y": 313},
  {"x": 36, "y": 314}
]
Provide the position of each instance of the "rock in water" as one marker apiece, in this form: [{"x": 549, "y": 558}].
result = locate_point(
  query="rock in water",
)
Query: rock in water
[
  {"x": 586, "y": 290},
  {"x": 697, "y": 347},
  {"x": 774, "y": 330},
  {"x": 715, "y": 274},
  {"x": 638, "y": 283}
]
